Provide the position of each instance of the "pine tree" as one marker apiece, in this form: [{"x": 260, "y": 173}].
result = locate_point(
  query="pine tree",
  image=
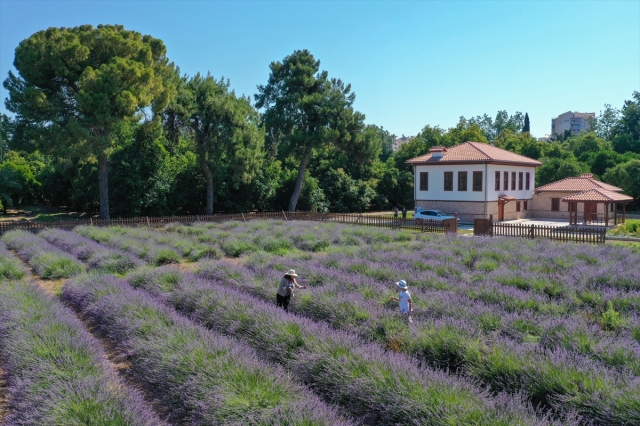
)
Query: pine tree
[{"x": 525, "y": 128}]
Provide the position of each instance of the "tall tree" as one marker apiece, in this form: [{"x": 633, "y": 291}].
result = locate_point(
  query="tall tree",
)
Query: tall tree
[
  {"x": 526, "y": 127},
  {"x": 225, "y": 130},
  {"x": 76, "y": 86},
  {"x": 627, "y": 131},
  {"x": 303, "y": 110}
]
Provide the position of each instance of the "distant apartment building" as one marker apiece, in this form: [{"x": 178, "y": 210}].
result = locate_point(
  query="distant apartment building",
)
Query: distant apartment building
[
  {"x": 575, "y": 122},
  {"x": 399, "y": 141}
]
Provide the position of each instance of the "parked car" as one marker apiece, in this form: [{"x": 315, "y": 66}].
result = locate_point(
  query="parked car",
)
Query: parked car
[{"x": 432, "y": 215}]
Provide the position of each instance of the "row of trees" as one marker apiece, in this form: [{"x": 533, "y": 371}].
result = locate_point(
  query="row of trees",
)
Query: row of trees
[{"x": 104, "y": 121}]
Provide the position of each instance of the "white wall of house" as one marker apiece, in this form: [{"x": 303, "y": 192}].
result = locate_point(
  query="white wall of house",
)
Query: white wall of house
[
  {"x": 524, "y": 194},
  {"x": 436, "y": 190}
]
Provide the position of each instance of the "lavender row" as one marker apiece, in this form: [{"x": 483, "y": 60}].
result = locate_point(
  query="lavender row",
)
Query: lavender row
[
  {"x": 551, "y": 377},
  {"x": 152, "y": 253},
  {"x": 487, "y": 306},
  {"x": 10, "y": 267},
  {"x": 279, "y": 237},
  {"x": 390, "y": 388},
  {"x": 47, "y": 260},
  {"x": 202, "y": 377},
  {"x": 56, "y": 372},
  {"x": 185, "y": 247},
  {"x": 97, "y": 256},
  {"x": 360, "y": 303}
]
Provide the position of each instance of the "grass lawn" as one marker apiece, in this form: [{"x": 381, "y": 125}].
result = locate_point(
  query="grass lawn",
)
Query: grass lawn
[{"x": 43, "y": 214}]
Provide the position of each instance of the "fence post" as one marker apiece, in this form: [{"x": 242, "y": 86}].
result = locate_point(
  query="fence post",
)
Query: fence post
[
  {"x": 243, "y": 216},
  {"x": 285, "y": 216}
]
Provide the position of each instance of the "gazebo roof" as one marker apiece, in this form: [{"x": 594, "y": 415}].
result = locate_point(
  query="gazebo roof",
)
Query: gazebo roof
[
  {"x": 598, "y": 195},
  {"x": 574, "y": 184}
]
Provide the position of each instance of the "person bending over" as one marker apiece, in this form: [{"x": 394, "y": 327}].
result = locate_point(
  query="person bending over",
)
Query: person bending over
[{"x": 287, "y": 285}]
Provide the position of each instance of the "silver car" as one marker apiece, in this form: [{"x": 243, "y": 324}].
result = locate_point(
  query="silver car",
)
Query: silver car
[{"x": 433, "y": 215}]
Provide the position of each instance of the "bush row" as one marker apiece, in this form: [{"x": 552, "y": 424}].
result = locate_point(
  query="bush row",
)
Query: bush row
[
  {"x": 383, "y": 387},
  {"x": 551, "y": 378},
  {"x": 47, "y": 260},
  {"x": 56, "y": 372},
  {"x": 202, "y": 377},
  {"x": 10, "y": 267},
  {"x": 152, "y": 253},
  {"x": 97, "y": 256}
]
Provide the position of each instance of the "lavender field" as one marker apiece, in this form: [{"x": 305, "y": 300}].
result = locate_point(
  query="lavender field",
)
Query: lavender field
[{"x": 504, "y": 331}]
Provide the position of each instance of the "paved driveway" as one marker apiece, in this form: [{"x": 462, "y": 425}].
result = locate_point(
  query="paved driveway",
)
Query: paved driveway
[{"x": 539, "y": 222}]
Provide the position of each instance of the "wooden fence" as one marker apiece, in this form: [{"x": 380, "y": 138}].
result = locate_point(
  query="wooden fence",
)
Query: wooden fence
[
  {"x": 447, "y": 226},
  {"x": 562, "y": 233}
]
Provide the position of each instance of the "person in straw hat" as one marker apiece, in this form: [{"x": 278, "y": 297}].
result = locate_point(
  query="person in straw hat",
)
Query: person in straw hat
[
  {"x": 404, "y": 298},
  {"x": 285, "y": 289}
]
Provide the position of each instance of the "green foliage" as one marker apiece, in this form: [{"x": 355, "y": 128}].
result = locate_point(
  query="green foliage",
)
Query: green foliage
[
  {"x": 612, "y": 320},
  {"x": 346, "y": 195},
  {"x": 627, "y": 130},
  {"x": 305, "y": 110},
  {"x": 142, "y": 178},
  {"x": 625, "y": 176},
  {"x": 554, "y": 169},
  {"x": 224, "y": 130},
  {"x": 77, "y": 86}
]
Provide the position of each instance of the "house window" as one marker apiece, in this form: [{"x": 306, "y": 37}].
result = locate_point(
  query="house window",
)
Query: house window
[
  {"x": 497, "y": 181},
  {"x": 611, "y": 207},
  {"x": 424, "y": 181},
  {"x": 462, "y": 181},
  {"x": 505, "y": 186},
  {"x": 477, "y": 181},
  {"x": 526, "y": 185},
  {"x": 513, "y": 181},
  {"x": 448, "y": 181},
  {"x": 520, "y": 181},
  {"x": 517, "y": 206},
  {"x": 555, "y": 204},
  {"x": 570, "y": 207},
  {"x": 526, "y": 206}
]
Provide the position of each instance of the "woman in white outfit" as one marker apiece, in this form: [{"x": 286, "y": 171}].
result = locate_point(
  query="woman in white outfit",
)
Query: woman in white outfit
[{"x": 404, "y": 299}]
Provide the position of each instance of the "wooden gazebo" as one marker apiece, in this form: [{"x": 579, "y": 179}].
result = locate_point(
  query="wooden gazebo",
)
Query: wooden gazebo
[{"x": 591, "y": 199}]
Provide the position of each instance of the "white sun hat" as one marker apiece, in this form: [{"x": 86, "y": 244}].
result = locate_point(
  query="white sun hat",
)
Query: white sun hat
[
  {"x": 402, "y": 284},
  {"x": 292, "y": 273}
]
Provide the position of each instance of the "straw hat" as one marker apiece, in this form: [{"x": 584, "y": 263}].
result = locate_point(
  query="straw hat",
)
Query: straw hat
[
  {"x": 292, "y": 273},
  {"x": 402, "y": 284}
]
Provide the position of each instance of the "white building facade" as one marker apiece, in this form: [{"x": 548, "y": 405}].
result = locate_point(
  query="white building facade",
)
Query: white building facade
[{"x": 474, "y": 180}]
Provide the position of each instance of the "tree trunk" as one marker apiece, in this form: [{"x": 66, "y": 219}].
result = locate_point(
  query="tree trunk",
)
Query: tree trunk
[
  {"x": 209, "y": 179},
  {"x": 103, "y": 179},
  {"x": 293, "y": 202}
]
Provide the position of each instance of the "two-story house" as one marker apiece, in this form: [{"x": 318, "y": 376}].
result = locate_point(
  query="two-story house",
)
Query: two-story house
[{"x": 474, "y": 180}]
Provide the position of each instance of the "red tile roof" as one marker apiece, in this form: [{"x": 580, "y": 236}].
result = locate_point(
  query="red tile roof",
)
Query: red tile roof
[
  {"x": 577, "y": 184},
  {"x": 598, "y": 195},
  {"x": 475, "y": 152}
]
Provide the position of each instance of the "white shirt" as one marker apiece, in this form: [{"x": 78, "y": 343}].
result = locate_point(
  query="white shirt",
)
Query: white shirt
[{"x": 404, "y": 297}]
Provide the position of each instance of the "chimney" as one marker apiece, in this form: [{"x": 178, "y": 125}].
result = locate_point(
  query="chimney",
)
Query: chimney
[
  {"x": 587, "y": 175},
  {"x": 437, "y": 151}
]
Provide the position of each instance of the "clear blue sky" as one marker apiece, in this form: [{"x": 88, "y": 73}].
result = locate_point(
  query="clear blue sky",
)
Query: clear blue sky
[{"x": 409, "y": 63}]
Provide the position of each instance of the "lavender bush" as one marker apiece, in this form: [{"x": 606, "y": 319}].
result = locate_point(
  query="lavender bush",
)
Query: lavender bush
[
  {"x": 390, "y": 388},
  {"x": 10, "y": 267},
  {"x": 95, "y": 255},
  {"x": 202, "y": 377},
  {"x": 186, "y": 247},
  {"x": 152, "y": 253},
  {"x": 480, "y": 343},
  {"x": 56, "y": 372},
  {"x": 47, "y": 260}
]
